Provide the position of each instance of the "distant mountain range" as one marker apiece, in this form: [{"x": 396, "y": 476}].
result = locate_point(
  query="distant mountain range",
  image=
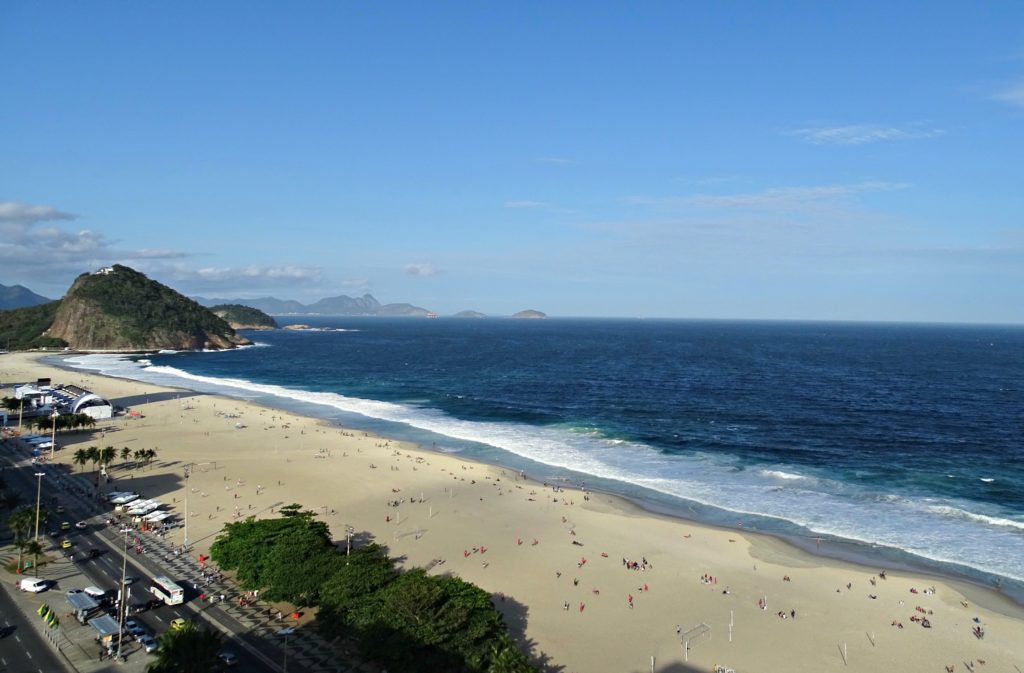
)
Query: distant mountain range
[
  {"x": 19, "y": 296},
  {"x": 340, "y": 305}
]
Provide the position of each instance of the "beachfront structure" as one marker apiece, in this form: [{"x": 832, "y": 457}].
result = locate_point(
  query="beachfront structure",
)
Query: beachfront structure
[{"x": 67, "y": 399}]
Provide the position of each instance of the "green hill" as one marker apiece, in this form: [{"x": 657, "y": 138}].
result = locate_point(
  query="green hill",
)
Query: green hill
[
  {"x": 25, "y": 328},
  {"x": 244, "y": 317},
  {"x": 120, "y": 309}
]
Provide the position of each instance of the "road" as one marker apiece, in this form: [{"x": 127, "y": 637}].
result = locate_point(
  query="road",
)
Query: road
[
  {"x": 104, "y": 572},
  {"x": 22, "y": 650}
]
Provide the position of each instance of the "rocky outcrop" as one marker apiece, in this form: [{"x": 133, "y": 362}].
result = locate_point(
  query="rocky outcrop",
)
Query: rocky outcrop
[{"x": 530, "y": 314}]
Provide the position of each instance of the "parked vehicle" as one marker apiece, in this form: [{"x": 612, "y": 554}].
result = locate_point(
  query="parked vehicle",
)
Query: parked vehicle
[{"x": 33, "y": 584}]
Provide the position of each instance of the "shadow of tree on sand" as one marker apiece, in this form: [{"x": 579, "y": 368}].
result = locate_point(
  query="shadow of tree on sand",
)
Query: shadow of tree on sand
[{"x": 516, "y": 617}]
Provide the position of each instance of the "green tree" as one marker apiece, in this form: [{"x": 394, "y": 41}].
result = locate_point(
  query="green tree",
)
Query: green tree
[
  {"x": 125, "y": 453},
  {"x": 80, "y": 458},
  {"x": 9, "y": 499},
  {"x": 93, "y": 454},
  {"x": 20, "y": 523},
  {"x": 187, "y": 650},
  {"x": 107, "y": 455},
  {"x": 34, "y": 548}
]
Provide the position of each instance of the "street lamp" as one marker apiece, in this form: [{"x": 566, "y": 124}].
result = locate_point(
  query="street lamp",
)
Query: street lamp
[
  {"x": 53, "y": 437},
  {"x": 188, "y": 472},
  {"x": 348, "y": 541},
  {"x": 39, "y": 491},
  {"x": 124, "y": 598}
]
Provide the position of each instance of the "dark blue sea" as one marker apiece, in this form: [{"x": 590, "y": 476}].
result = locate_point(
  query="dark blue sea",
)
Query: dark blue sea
[{"x": 897, "y": 443}]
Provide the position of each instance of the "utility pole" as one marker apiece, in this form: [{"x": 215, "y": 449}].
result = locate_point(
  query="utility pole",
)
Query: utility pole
[
  {"x": 123, "y": 601},
  {"x": 39, "y": 491},
  {"x": 188, "y": 472},
  {"x": 53, "y": 437}
]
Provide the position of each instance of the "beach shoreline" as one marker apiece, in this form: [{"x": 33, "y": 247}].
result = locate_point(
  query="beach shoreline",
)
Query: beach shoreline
[{"x": 515, "y": 516}]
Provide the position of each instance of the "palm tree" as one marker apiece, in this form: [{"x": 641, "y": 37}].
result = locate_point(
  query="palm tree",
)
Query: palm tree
[
  {"x": 107, "y": 456},
  {"x": 10, "y": 499},
  {"x": 93, "y": 454},
  {"x": 149, "y": 455},
  {"x": 137, "y": 457},
  {"x": 125, "y": 452},
  {"x": 80, "y": 458},
  {"x": 20, "y": 524},
  {"x": 187, "y": 650},
  {"x": 35, "y": 549}
]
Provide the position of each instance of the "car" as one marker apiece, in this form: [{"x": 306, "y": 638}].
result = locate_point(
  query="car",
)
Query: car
[
  {"x": 95, "y": 592},
  {"x": 81, "y": 524},
  {"x": 65, "y": 544},
  {"x": 148, "y": 643},
  {"x": 228, "y": 658},
  {"x": 60, "y": 509},
  {"x": 130, "y": 579},
  {"x": 137, "y": 630},
  {"x": 65, "y": 525},
  {"x": 178, "y": 624},
  {"x": 286, "y": 631}
]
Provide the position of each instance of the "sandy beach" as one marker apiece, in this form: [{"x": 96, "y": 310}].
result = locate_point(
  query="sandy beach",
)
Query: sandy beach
[{"x": 588, "y": 583}]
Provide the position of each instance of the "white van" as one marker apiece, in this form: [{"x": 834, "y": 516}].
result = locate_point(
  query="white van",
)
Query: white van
[
  {"x": 95, "y": 592},
  {"x": 33, "y": 584}
]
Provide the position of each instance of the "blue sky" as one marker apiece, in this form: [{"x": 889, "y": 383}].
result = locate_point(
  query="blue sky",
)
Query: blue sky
[{"x": 856, "y": 161}]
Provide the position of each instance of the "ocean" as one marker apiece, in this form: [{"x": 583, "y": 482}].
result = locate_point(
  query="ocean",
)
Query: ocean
[{"x": 900, "y": 445}]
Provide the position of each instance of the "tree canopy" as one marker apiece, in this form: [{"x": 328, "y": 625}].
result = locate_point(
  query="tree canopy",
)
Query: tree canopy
[{"x": 407, "y": 621}]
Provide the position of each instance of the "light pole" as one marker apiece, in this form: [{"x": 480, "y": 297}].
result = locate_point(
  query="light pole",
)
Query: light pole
[
  {"x": 53, "y": 437},
  {"x": 188, "y": 473},
  {"x": 348, "y": 542},
  {"x": 124, "y": 599},
  {"x": 21, "y": 409},
  {"x": 39, "y": 492}
]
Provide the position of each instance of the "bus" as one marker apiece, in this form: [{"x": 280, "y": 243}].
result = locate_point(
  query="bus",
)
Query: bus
[{"x": 167, "y": 591}]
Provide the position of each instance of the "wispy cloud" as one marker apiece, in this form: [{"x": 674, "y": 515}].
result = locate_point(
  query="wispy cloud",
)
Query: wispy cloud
[
  {"x": 554, "y": 160},
  {"x": 525, "y": 204},
  {"x": 791, "y": 198},
  {"x": 423, "y": 269},
  {"x": 240, "y": 279},
  {"x": 861, "y": 134},
  {"x": 775, "y": 199},
  {"x": 1012, "y": 94}
]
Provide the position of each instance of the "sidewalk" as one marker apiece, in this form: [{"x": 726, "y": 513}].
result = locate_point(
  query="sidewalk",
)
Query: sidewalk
[
  {"x": 253, "y": 626},
  {"x": 74, "y": 641}
]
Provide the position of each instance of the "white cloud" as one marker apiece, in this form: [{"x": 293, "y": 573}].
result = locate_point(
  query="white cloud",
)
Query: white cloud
[
  {"x": 252, "y": 273},
  {"x": 861, "y": 134},
  {"x": 420, "y": 269},
  {"x": 525, "y": 204},
  {"x": 20, "y": 213},
  {"x": 1013, "y": 94},
  {"x": 28, "y": 247}
]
